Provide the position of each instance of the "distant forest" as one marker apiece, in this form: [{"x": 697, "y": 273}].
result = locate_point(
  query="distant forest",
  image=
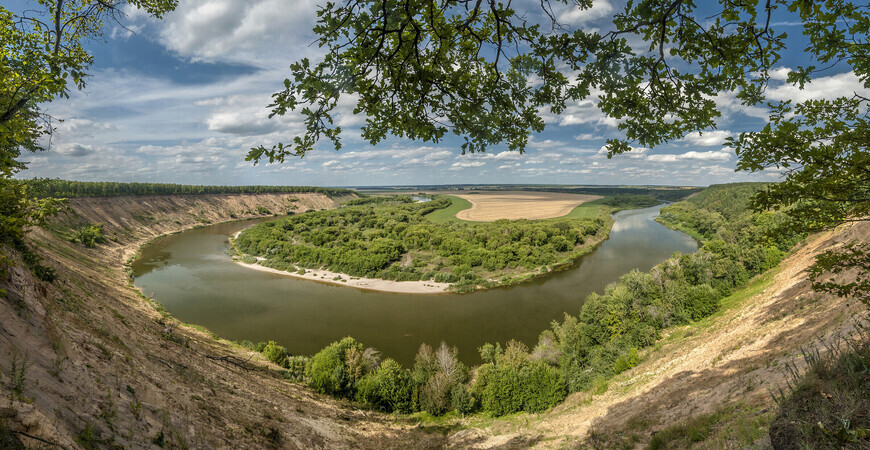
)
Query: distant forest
[
  {"x": 666, "y": 193},
  {"x": 45, "y": 187}
]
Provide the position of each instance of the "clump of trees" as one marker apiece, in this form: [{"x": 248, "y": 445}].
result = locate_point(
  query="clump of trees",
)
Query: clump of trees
[{"x": 390, "y": 238}]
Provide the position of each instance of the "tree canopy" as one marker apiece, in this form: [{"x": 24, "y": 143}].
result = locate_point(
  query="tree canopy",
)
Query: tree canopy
[
  {"x": 43, "y": 57},
  {"x": 489, "y": 71}
]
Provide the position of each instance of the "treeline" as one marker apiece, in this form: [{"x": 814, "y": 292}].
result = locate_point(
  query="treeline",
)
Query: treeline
[
  {"x": 630, "y": 201},
  {"x": 390, "y": 238},
  {"x": 46, "y": 187},
  {"x": 580, "y": 352},
  {"x": 666, "y": 193}
]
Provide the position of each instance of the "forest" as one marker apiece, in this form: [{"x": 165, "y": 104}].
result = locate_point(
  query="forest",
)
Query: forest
[
  {"x": 391, "y": 238},
  {"x": 581, "y": 352},
  {"x": 47, "y": 187}
]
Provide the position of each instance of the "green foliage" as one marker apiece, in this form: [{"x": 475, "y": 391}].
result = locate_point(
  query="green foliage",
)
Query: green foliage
[
  {"x": 275, "y": 353},
  {"x": 46, "y": 187},
  {"x": 529, "y": 386},
  {"x": 630, "y": 201},
  {"x": 388, "y": 388},
  {"x": 90, "y": 235},
  {"x": 391, "y": 238},
  {"x": 327, "y": 371},
  {"x": 604, "y": 339}
]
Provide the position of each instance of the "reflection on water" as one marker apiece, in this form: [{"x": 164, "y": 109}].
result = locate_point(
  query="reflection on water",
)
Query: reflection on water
[{"x": 193, "y": 277}]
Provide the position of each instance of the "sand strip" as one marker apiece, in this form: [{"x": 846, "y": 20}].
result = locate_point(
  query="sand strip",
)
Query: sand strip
[{"x": 371, "y": 284}]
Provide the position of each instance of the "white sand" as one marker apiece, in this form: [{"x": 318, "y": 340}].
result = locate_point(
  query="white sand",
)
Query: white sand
[{"x": 372, "y": 284}]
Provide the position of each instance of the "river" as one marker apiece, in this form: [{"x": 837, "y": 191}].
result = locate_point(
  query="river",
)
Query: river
[{"x": 192, "y": 275}]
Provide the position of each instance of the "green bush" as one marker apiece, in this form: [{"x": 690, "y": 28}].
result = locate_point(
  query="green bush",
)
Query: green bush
[
  {"x": 275, "y": 353},
  {"x": 388, "y": 388},
  {"x": 90, "y": 235},
  {"x": 327, "y": 372}
]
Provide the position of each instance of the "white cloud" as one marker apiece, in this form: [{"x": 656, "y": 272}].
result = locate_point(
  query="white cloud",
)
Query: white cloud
[
  {"x": 577, "y": 16},
  {"x": 251, "y": 32},
  {"x": 707, "y": 138},
  {"x": 843, "y": 84},
  {"x": 719, "y": 155}
]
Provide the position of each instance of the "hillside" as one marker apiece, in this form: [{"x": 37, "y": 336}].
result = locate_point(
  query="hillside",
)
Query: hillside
[{"x": 88, "y": 362}]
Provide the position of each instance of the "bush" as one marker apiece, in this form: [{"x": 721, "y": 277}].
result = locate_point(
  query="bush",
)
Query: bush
[
  {"x": 275, "y": 353},
  {"x": 388, "y": 388},
  {"x": 327, "y": 372},
  {"x": 90, "y": 235}
]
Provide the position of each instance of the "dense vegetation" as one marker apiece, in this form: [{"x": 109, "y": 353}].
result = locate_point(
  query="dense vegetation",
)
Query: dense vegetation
[
  {"x": 45, "y": 187},
  {"x": 391, "y": 238},
  {"x": 580, "y": 352}
]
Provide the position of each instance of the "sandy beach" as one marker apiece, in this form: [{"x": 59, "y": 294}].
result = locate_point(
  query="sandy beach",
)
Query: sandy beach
[{"x": 372, "y": 284}]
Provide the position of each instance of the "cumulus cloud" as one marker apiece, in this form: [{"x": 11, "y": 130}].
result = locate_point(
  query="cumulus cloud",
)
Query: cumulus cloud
[
  {"x": 707, "y": 138},
  {"x": 830, "y": 87},
  {"x": 578, "y": 16},
  {"x": 74, "y": 150},
  {"x": 233, "y": 31},
  {"x": 719, "y": 155}
]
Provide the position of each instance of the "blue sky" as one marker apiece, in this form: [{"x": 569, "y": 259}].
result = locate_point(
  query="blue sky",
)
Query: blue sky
[{"x": 183, "y": 99}]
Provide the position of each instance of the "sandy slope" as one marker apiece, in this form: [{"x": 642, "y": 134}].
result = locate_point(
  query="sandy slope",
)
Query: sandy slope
[
  {"x": 734, "y": 356},
  {"x": 512, "y": 205},
  {"x": 102, "y": 365}
]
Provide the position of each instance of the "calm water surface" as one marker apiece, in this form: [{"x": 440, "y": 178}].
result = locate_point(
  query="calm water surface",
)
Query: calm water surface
[{"x": 192, "y": 275}]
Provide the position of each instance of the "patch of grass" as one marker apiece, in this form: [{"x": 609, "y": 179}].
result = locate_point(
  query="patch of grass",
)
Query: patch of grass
[
  {"x": 588, "y": 210},
  {"x": 449, "y": 214},
  {"x": 828, "y": 407},
  {"x": 736, "y": 426}
]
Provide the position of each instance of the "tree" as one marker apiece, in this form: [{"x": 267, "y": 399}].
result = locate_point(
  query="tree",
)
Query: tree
[
  {"x": 42, "y": 58},
  {"x": 487, "y": 72}
]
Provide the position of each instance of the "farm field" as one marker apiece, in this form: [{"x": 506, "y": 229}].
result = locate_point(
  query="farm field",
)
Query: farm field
[{"x": 513, "y": 205}]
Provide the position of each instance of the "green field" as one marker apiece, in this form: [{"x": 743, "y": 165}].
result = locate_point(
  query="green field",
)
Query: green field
[
  {"x": 448, "y": 214},
  {"x": 589, "y": 210}
]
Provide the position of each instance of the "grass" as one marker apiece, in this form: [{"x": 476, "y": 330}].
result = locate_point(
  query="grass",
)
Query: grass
[
  {"x": 828, "y": 406},
  {"x": 448, "y": 214},
  {"x": 588, "y": 210},
  {"x": 735, "y": 426}
]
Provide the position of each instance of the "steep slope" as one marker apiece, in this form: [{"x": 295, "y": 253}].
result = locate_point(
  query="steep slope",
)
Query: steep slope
[
  {"x": 86, "y": 361},
  {"x": 724, "y": 367}
]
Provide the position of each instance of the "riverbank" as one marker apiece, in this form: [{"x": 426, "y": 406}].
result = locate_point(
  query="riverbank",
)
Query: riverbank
[{"x": 370, "y": 284}]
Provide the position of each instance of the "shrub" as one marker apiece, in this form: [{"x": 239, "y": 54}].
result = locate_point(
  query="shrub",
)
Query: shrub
[
  {"x": 275, "y": 353},
  {"x": 461, "y": 400},
  {"x": 327, "y": 372},
  {"x": 90, "y": 235}
]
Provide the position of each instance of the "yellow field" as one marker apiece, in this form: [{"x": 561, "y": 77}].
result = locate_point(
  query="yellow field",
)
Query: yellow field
[{"x": 512, "y": 205}]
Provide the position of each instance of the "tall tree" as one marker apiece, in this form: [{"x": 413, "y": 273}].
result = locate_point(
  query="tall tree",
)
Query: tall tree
[
  {"x": 42, "y": 57},
  {"x": 488, "y": 72}
]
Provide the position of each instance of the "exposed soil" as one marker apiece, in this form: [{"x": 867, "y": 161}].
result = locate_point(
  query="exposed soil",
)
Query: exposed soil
[
  {"x": 737, "y": 355},
  {"x": 101, "y": 365},
  {"x": 512, "y": 205}
]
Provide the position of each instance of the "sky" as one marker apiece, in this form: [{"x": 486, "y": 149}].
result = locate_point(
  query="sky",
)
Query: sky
[{"x": 183, "y": 99}]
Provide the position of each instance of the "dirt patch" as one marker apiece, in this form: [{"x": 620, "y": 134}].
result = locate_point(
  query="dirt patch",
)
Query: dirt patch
[{"x": 512, "y": 205}]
